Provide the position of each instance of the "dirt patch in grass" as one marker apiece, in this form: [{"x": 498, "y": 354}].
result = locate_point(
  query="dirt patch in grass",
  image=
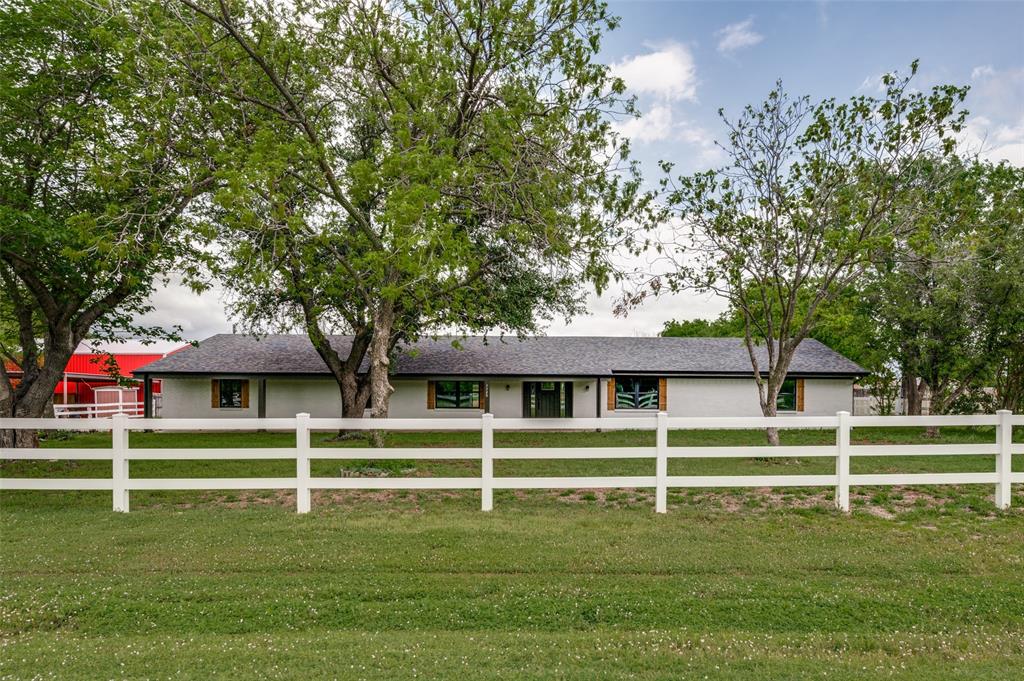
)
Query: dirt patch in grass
[{"x": 887, "y": 503}]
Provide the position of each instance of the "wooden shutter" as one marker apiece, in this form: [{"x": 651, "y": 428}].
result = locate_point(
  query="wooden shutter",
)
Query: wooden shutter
[
  {"x": 799, "y": 394},
  {"x": 611, "y": 394},
  {"x": 485, "y": 398},
  {"x": 245, "y": 394},
  {"x": 215, "y": 394},
  {"x": 662, "y": 394},
  {"x": 431, "y": 395}
]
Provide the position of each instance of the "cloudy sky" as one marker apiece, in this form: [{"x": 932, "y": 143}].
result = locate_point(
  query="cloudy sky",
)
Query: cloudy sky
[{"x": 685, "y": 60}]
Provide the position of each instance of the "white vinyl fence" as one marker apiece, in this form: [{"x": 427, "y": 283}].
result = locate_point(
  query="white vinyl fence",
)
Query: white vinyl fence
[
  {"x": 64, "y": 411},
  {"x": 121, "y": 484}
]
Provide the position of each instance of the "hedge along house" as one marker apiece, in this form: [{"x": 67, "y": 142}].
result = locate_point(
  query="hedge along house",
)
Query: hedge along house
[{"x": 541, "y": 377}]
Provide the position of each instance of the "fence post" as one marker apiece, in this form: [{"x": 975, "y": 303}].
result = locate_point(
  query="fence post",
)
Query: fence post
[
  {"x": 661, "y": 465},
  {"x": 1004, "y": 436},
  {"x": 119, "y": 437},
  {"x": 843, "y": 461},
  {"x": 487, "y": 462},
  {"x": 303, "y": 502}
]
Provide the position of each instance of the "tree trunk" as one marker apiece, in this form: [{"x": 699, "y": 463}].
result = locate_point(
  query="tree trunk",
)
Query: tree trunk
[
  {"x": 380, "y": 365},
  {"x": 6, "y": 409},
  {"x": 768, "y": 393},
  {"x": 29, "y": 406},
  {"x": 353, "y": 388},
  {"x": 355, "y": 394},
  {"x": 912, "y": 397},
  {"x": 35, "y": 390},
  {"x": 772, "y": 434}
]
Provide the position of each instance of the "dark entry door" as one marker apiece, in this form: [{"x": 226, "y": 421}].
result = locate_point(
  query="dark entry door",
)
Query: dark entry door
[{"x": 547, "y": 399}]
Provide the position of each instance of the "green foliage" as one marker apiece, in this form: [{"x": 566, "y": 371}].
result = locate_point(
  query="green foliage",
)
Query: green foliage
[
  {"x": 410, "y": 165},
  {"x": 843, "y": 324},
  {"x": 725, "y": 326},
  {"x": 93, "y": 189},
  {"x": 809, "y": 196},
  {"x": 946, "y": 300},
  {"x": 943, "y": 303}
]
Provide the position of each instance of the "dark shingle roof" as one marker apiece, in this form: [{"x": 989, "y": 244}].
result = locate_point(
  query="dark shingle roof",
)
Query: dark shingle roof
[{"x": 491, "y": 356}]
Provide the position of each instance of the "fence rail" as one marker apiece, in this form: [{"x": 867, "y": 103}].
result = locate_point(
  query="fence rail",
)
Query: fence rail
[
  {"x": 121, "y": 483},
  {"x": 63, "y": 411}
]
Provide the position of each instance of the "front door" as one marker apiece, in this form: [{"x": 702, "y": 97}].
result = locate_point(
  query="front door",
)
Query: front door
[{"x": 547, "y": 399}]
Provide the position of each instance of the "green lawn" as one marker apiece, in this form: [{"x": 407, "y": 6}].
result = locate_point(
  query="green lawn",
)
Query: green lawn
[{"x": 728, "y": 585}]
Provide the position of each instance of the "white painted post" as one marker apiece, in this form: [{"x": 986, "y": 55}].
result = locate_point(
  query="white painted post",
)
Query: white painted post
[
  {"x": 303, "y": 499},
  {"x": 843, "y": 461},
  {"x": 119, "y": 437},
  {"x": 661, "y": 465},
  {"x": 487, "y": 462},
  {"x": 1004, "y": 436}
]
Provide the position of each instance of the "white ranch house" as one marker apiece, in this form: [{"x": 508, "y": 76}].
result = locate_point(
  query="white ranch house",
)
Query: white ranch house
[{"x": 230, "y": 375}]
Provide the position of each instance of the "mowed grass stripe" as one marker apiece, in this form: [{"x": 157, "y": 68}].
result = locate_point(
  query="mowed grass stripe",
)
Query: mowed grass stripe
[
  {"x": 424, "y": 585},
  {"x": 584, "y": 592}
]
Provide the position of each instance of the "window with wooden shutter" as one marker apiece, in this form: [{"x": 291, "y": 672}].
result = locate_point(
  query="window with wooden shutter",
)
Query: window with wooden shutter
[
  {"x": 229, "y": 393},
  {"x": 787, "y": 397},
  {"x": 611, "y": 394},
  {"x": 800, "y": 394},
  {"x": 662, "y": 394},
  {"x": 459, "y": 394},
  {"x": 639, "y": 392}
]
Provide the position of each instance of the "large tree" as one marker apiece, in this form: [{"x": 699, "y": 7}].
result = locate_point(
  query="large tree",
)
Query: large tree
[
  {"x": 412, "y": 165},
  {"x": 92, "y": 189},
  {"x": 947, "y": 298},
  {"x": 803, "y": 205}
]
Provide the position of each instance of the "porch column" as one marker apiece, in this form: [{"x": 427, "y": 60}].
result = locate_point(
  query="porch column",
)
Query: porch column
[
  {"x": 147, "y": 397},
  {"x": 261, "y": 388}
]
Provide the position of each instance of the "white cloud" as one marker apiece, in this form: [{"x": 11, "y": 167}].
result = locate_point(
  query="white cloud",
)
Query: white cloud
[
  {"x": 646, "y": 320},
  {"x": 708, "y": 153},
  {"x": 997, "y": 93},
  {"x": 995, "y": 142},
  {"x": 653, "y": 126},
  {"x": 995, "y": 130},
  {"x": 661, "y": 124},
  {"x": 668, "y": 73},
  {"x": 738, "y": 36},
  {"x": 823, "y": 13},
  {"x": 199, "y": 315},
  {"x": 982, "y": 72},
  {"x": 872, "y": 84},
  {"x": 649, "y": 317}
]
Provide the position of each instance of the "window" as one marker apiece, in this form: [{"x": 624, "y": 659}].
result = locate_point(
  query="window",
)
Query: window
[
  {"x": 786, "y": 401},
  {"x": 230, "y": 393},
  {"x": 457, "y": 394},
  {"x": 637, "y": 393}
]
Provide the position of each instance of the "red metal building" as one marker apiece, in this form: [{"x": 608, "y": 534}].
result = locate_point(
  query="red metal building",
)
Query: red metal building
[{"x": 89, "y": 369}]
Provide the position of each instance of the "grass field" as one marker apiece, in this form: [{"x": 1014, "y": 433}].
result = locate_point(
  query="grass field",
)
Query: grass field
[{"x": 914, "y": 584}]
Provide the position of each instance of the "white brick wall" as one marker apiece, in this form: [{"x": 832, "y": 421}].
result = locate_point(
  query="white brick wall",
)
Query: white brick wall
[{"x": 190, "y": 397}]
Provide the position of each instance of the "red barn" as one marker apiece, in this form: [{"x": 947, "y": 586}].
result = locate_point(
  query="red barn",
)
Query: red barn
[{"x": 89, "y": 378}]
